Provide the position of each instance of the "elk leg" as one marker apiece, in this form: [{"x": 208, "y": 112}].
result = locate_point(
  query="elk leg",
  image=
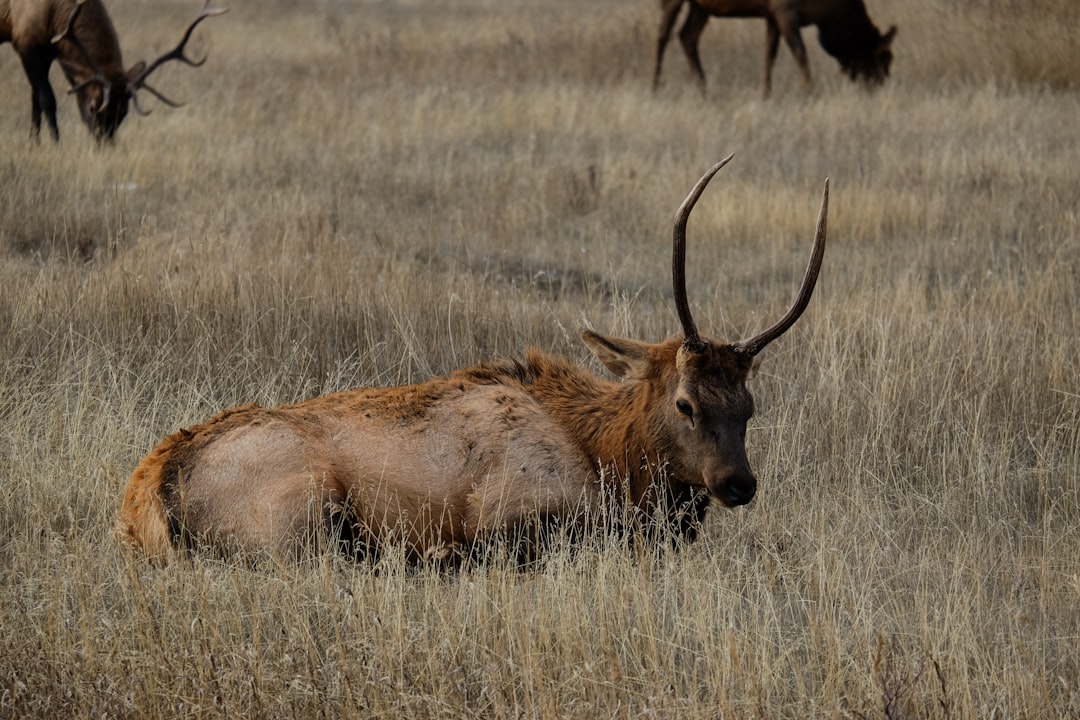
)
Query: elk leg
[
  {"x": 772, "y": 44},
  {"x": 789, "y": 27},
  {"x": 690, "y": 35},
  {"x": 669, "y": 11},
  {"x": 36, "y": 64}
]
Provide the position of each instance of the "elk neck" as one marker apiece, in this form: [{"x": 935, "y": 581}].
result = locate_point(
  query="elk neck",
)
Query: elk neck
[
  {"x": 611, "y": 422},
  {"x": 96, "y": 34}
]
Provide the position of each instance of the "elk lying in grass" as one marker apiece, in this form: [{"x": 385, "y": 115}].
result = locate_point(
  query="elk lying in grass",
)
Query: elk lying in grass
[
  {"x": 80, "y": 35},
  {"x": 844, "y": 31},
  {"x": 495, "y": 450}
]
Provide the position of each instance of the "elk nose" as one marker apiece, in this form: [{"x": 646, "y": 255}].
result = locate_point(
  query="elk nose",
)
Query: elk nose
[{"x": 735, "y": 488}]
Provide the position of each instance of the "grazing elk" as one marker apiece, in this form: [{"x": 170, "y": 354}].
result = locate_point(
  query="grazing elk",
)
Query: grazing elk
[
  {"x": 844, "y": 31},
  {"x": 81, "y": 36},
  {"x": 495, "y": 451}
]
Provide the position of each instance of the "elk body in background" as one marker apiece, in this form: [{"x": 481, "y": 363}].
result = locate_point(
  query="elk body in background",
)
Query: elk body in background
[
  {"x": 845, "y": 31},
  {"x": 80, "y": 35},
  {"x": 497, "y": 451}
]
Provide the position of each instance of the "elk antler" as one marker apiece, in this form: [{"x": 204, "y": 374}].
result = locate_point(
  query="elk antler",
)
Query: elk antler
[
  {"x": 692, "y": 341},
  {"x": 177, "y": 53},
  {"x": 98, "y": 76},
  {"x": 757, "y": 343}
]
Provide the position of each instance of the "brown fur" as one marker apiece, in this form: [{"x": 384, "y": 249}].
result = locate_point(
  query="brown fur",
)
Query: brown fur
[
  {"x": 89, "y": 56},
  {"x": 561, "y": 424},
  {"x": 490, "y": 452},
  {"x": 844, "y": 30}
]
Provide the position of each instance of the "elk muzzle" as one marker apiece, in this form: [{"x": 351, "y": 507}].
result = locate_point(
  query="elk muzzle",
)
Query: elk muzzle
[{"x": 731, "y": 483}]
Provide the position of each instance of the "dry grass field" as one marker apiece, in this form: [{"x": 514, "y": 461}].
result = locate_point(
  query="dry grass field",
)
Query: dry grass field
[{"x": 369, "y": 193}]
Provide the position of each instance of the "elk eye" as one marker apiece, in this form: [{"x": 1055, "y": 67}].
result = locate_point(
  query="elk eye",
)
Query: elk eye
[{"x": 684, "y": 407}]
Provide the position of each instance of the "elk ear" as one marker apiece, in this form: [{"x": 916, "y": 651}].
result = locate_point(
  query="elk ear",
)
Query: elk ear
[
  {"x": 625, "y": 358},
  {"x": 135, "y": 71},
  {"x": 887, "y": 38}
]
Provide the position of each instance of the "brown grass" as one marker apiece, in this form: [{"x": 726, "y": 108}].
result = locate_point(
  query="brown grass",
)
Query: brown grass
[{"x": 372, "y": 193}]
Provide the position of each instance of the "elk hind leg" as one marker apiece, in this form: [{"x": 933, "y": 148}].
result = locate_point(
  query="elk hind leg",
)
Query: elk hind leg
[
  {"x": 327, "y": 524},
  {"x": 789, "y": 28},
  {"x": 293, "y": 517},
  {"x": 690, "y": 37}
]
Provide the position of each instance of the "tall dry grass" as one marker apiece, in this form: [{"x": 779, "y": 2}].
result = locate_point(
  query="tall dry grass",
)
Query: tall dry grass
[{"x": 373, "y": 193}]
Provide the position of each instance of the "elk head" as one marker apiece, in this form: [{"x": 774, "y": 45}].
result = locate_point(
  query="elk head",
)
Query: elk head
[
  {"x": 699, "y": 403},
  {"x": 101, "y": 85},
  {"x": 872, "y": 65}
]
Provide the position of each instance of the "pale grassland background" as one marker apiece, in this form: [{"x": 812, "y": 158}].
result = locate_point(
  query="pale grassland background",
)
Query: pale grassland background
[{"x": 366, "y": 193}]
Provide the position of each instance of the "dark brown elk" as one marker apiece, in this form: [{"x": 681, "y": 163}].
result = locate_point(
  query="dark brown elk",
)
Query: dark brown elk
[
  {"x": 494, "y": 451},
  {"x": 80, "y": 35},
  {"x": 844, "y": 31}
]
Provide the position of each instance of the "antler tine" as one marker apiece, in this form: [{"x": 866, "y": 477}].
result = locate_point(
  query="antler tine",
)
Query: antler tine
[
  {"x": 137, "y": 106},
  {"x": 158, "y": 95},
  {"x": 105, "y": 93},
  {"x": 177, "y": 53},
  {"x": 678, "y": 256},
  {"x": 757, "y": 343},
  {"x": 98, "y": 76}
]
